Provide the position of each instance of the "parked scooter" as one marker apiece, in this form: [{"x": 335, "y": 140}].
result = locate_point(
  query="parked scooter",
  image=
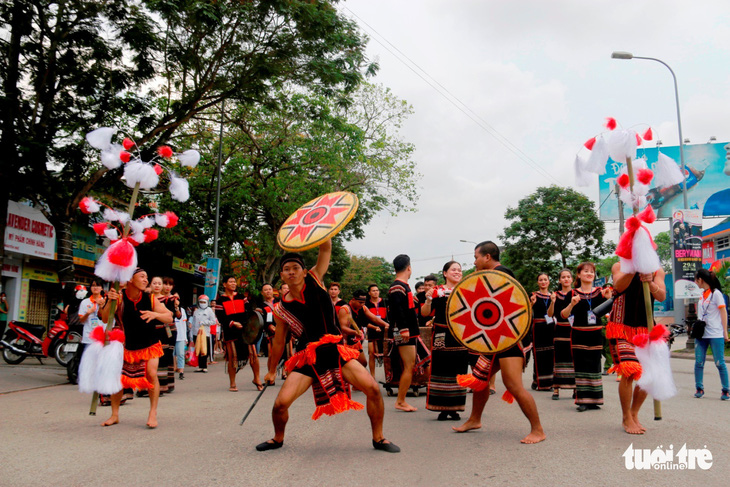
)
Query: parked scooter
[{"x": 23, "y": 339}]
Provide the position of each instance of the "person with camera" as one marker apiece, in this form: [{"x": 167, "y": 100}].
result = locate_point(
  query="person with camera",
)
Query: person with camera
[{"x": 712, "y": 314}]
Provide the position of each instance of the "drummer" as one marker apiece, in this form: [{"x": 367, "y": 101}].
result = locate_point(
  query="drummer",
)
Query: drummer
[
  {"x": 511, "y": 362},
  {"x": 321, "y": 360}
]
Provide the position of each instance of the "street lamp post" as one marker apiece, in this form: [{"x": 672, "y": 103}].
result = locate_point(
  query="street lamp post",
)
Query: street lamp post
[{"x": 628, "y": 55}]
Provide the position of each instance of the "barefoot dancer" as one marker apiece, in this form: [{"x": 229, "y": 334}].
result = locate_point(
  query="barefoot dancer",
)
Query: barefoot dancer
[
  {"x": 511, "y": 362},
  {"x": 137, "y": 312},
  {"x": 322, "y": 360},
  {"x": 628, "y": 318},
  {"x": 402, "y": 311}
]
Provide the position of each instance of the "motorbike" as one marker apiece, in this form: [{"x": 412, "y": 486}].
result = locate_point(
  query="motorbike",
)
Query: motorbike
[{"x": 23, "y": 340}]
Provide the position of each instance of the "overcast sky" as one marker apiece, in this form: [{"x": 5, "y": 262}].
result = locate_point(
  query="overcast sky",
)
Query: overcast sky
[{"x": 538, "y": 77}]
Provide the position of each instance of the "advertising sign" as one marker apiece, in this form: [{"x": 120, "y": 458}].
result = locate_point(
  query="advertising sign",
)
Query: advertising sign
[
  {"x": 85, "y": 249},
  {"x": 707, "y": 175},
  {"x": 708, "y": 253},
  {"x": 211, "y": 277},
  {"x": 29, "y": 232},
  {"x": 687, "y": 235}
]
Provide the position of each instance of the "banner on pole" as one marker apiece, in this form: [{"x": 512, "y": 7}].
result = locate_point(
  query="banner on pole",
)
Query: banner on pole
[{"x": 687, "y": 252}]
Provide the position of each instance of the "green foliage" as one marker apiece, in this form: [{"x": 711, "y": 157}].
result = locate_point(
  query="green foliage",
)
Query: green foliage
[
  {"x": 364, "y": 271},
  {"x": 664, "y": 250},
  {"x": 723, "y": 276},
  {"x": 550, "y": 229}
]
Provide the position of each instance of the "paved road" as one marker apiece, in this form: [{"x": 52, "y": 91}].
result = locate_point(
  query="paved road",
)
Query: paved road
[{"x": 47, "y": 438}]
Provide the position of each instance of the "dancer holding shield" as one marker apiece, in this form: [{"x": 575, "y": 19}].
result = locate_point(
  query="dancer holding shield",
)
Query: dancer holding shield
[{"x": 510, "y": 361}]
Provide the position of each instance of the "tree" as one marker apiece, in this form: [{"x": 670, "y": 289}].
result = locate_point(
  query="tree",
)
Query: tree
[
  {"x": 664, "y": 250},
  {"x": 551, "y": 229},
  {"x": 364, "y": 271},
  {"x": 279, "y": 157},
  {"x": 71, "y": 66}
]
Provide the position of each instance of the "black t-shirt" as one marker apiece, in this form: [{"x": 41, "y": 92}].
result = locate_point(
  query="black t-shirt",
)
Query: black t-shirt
[{"x": 402, "y": 309}]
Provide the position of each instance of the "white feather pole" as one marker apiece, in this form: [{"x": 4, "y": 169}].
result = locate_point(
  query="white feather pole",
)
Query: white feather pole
[
  {"x": 189, "y": 158},
  {"x": 666, "y": 172},
  {"x": 599, "y": 157},
  {"x": 109, "y": 368},
  {"x": 110, "y": 215},
  {"x": 136, "y": 226},
  {"x": 627, "y": 266},
  {"x": 110, "y": 157},
  {"x": 88, "y": 365},
  {"x": 122, "y": 217},
  {"x": 142, "y": 173},
  {"x": 101, "y": 138},
  {"x": 621, "y": 144},
  {"x": 656, "y": 376},
  {"x": 644, "y": 256},
  {"x": 179, "y": 189}
]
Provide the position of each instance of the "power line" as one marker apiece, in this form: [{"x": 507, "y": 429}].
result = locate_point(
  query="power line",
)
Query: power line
[{"x": 472, "y": 115}]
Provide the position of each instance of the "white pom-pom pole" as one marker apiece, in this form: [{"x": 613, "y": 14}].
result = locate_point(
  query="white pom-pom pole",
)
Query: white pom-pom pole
[
  {"x": 109, "y": 369},
  {"x": 101, "y": 138},
  {"x": 88, "y": 365},
  {"x": 647, "y": 293},
  {"x": 179, "y": 189},
  {"x": 656, "y": 374}
]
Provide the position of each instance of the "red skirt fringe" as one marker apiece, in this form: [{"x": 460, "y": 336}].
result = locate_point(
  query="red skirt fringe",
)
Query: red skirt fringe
[
  {"x": 619, "y": 330},
  {"x": 134, "y": 356}
]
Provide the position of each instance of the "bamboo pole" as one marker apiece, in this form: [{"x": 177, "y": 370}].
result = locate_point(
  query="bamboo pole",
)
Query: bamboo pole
[
  {"x": 117, "y": 286},
  {"x": 647, "y": 292}
]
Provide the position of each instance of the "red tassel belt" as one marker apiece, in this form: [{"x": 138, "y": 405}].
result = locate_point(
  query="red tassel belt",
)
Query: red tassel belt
[
  {"x": 136, "y": 356},
  {"x": 619, "y": 330},
  {"x": 308, "y": 356}
]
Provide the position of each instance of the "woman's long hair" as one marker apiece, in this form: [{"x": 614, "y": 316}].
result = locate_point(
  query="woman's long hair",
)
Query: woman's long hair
[{"x": 710, "y": 278}]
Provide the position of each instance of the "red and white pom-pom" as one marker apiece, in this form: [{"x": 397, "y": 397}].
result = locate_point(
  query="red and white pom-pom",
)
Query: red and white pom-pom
[
  {"x": 121, "y": 266},
  {"x": 623, "y": 181},
  {"x": 125, "y": 156},
  {"x": 128, "y": 143},
  {"x": 111, "y": 233},
  {"x": 90, "y": 360},
  {"x": 611, "y": 123},
  {"x": 179, "y": 189},
  {"x": 644, "y": 176},
  {"x": 110, "y": 157},
  {"x": 599, "y": 157},
  {"x": 636, "y": 248},
  {"x": 653, "y": 354},
  {"x": 164, "y": 151},
  {"x": 189, "y": 158},
  {"x": 166, "y": 220},
  {"x": 147, "y": 222},
  {"x": 135, "y": 226},
  {"x": 648, "y": 135},
  {"x": 110, "y": 214},
  {"x": 582, "y": 176},
  {"x": 109, "y": 367},
  {"x": 89, "y": 205},
  {"x": 666, "y": 172},
  {"x": 150, "y": 234},
  {"x": 158, "y": 169},
  {"x": 101, "y": 138},
  {"x": 639, "y": 141},
  {"x": 139, "y": 172},
  {"x": 590, "y": 143},
  {"x": 621, "y": 145},
  {"x": 137, "y": 238},
  {"x": 100, "y": 228}
]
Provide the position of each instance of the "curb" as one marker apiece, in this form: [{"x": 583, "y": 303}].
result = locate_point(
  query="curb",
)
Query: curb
[{"x": 690, "y": 356}]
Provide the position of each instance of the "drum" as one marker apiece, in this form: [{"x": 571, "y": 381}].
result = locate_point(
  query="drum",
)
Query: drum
[
  {"x": 317, "y": 221},
  {"x": 253, "y": 327},
  {"x": 489, "y": 311}
]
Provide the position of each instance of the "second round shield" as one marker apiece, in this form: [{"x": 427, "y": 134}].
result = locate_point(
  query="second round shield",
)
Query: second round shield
[
  {"x": 253, "y": 327},
  {"x": 316, "y": 221},
  {"x": 489, "y": 311}
]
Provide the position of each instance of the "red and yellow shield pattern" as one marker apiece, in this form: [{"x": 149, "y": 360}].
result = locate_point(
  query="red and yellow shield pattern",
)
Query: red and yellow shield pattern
[
  {"x": 489, "y": 311},
  {"x": 316, "y": 221}
]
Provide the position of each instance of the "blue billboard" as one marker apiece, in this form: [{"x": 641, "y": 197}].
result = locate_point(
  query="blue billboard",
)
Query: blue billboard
[{"x": 708, "y": 182}]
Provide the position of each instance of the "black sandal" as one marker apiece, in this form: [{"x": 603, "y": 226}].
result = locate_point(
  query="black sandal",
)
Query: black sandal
[
  {"x": 382, "y": 445},
  {"x": 556, "y": 396},
  {"x": 269, "y": 445},
  {"x": 443, "y": 416}
]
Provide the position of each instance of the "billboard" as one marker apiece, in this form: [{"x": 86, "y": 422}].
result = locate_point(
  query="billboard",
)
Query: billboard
[
  {"x": 687, "y": 230},
  {"x": 708, "y": 182}
]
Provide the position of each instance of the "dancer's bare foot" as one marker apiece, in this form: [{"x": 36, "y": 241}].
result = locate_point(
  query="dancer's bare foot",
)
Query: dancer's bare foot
[
  {"x": 152, "y": 421},
  {"x": 112, "y": 420},
  {"x": 632, "y": 427},
  {"x": 636, "y": 420},
  {"x": 233, "y": 388},
  {"x": 468, "y": 426},
  {"x": 534, "y": 437},
  {"x": 404, "y": 406}
]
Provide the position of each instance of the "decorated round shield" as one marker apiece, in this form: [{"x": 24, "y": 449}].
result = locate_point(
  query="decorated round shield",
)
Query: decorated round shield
[
  {"x": 319, "y": 220},
  {"x": 253, "y": 327},
  {"x": 489, "y": 312}
]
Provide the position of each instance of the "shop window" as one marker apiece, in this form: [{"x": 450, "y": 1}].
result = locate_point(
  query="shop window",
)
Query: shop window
[{"x": 722, "y": 243}]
